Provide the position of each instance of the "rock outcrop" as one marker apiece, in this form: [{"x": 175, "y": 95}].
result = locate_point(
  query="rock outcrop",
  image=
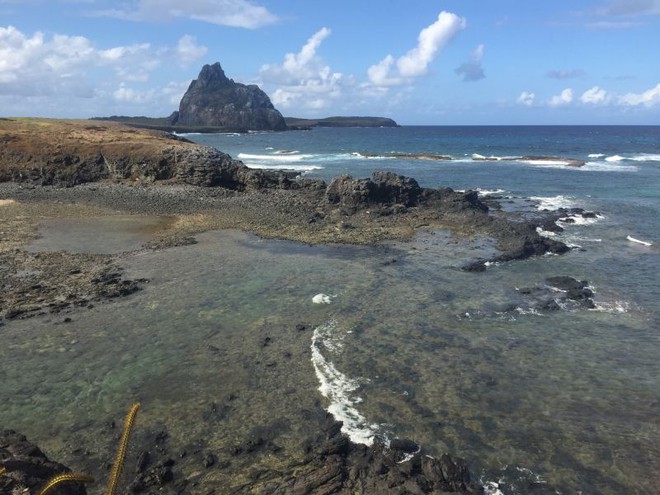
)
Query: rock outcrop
[
  {"x": 341, "y": 467},
  {"x": 383, "y": 187},
  {"x": 44, "y": 152},
  {"x": 28, "y": 468},
  {"x": 215, "y": 100}
]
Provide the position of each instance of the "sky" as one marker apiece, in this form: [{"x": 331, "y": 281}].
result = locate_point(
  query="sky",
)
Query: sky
[{"x": 420, "y": 62}]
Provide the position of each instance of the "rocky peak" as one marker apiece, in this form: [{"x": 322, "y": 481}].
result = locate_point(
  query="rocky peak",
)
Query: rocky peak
[
  {"x": 210, "y": 77},
  {"x": 215, "y": 100}
]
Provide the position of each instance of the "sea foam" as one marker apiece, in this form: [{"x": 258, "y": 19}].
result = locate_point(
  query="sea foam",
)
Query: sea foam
[
  {"x": 553, "y": 202},
  {"x": 339, "y": 388}
]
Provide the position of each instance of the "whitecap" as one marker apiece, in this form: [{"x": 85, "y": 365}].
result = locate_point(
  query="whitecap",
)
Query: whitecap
[
  {"x": 292, "y": 168},
  {"x": 616, "y": 307},
  {"x": 490, "y": 192},
  {"x": 275, "y": 157},
  {"x": 646, "y": 157},
  {"x": 338, "y": 388},
  {"x": 545, "y": 233},
  {"x": 548, "y": 163},
  {"x": 614, "y": 158},
  {"x": 579, "y": 220},
  {"x": 322, "y": 299},
  {"x": 492, "y": 488},
  {"x": 604, "y": 166},
  {"x": 553, "y": 202}
]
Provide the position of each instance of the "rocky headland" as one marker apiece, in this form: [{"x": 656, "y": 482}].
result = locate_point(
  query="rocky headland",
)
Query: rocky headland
[
  {"x": 54, "y": 168},
  {"x": 57, "y": 168},
  {"x": 215, "y": 100}
]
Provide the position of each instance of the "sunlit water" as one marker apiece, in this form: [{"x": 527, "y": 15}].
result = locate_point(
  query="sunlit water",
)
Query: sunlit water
[{"x": 408, "y": 346}]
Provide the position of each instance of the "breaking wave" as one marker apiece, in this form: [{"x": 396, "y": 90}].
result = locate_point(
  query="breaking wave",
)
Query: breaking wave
[{"x": 338, "y": 387}]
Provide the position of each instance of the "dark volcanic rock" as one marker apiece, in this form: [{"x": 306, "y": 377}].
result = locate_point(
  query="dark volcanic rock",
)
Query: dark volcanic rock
[
  {"x": 28, "y": 468},
  {"x": 383, "y": 188},
  {"x": 341, "y": 467},
  {"x": 215, "y": 100}
]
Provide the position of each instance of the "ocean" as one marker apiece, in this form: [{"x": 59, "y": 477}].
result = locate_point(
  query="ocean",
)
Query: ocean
[{"x": 398, "y": 341}]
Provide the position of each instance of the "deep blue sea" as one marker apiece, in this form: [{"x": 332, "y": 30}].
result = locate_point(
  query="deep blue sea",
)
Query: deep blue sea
[{"x": 400, "y": 341}]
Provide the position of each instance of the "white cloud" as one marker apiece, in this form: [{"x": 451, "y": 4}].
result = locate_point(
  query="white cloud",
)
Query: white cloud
[
  {"x": 188, "y": 51},
  {"x": 526, "y": 98},
  {"x": 564, "y": 98},
  {"x": 130, "y": 95},
  {"x": 235, "y": 13},
  {"x": 611, "y": 25},
  {"x": 303, "y": 80},
  {"x": 630, "y": 8},
  {"x": 415, "y": 63},
  {"x": 595, "y": 96},
  {"x": 648, "y": 98},
  {"x": 565, "y": 74},
  {"x": 380, "y": 73},
  {"x": 598, "y": 96},
  {"x": 65, "y": 70},
  {"x": 472, "y": 70}
]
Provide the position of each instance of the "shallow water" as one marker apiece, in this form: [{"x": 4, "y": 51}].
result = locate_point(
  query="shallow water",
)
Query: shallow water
[
  {"x": 409, "y": 346},
  {"x": 569, "y": 398},
  {"x": 98, "y": 235}
]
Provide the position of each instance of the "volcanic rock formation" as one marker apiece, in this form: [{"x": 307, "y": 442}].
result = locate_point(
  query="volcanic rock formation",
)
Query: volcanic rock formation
[{"x": 215, "y": 100}]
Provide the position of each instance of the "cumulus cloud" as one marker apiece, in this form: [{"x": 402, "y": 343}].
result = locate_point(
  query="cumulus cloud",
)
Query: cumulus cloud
[
  {"x": 565, "y": 74},
  {"x": 415, "y": 63},
  {"x": 62, "y": 67},
  {"x": 564, "y": 98},
  {"x": 188, "y": 51},
  {"x": 594, "y": 96},
  {"x": 472, "y": 70},
  {"x": 303, "y": 80},
  {"x": 648, "y": 98},
  {"x": 597, "y": 96},
  {"x": 131, "y": 95},
  {"x": 526, "y": 98},
  {"x": 235, "y": 13}
]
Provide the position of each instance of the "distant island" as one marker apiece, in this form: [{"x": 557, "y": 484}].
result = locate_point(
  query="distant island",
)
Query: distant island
[
  {"x": 215, "y": 103},
  {"x": 294, "y": 123}
]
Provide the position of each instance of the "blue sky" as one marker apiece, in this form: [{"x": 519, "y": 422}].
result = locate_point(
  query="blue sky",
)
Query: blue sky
[{"x": 417, "y": 61}]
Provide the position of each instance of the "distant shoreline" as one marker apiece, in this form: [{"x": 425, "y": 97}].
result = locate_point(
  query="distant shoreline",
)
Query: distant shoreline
[{"x": 293, "y": 123}]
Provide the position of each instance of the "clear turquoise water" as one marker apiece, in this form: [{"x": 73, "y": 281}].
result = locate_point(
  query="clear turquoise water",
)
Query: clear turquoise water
[{"x": 564, "y": 402}]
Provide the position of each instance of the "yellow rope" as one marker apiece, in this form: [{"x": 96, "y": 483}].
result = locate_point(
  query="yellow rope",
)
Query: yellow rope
[
  {"x": 65, "y": 478},
  {"x": 121, "y": 451}
]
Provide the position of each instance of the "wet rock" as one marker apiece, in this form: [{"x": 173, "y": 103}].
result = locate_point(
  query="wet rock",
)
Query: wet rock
[
  {"x": 208, "y": 460},
  {"x": 403, "y": 445},
  {"x": 338, "y": 466},
  {"x": 28, "y": 468},
  {"x": 143, "y": 461},
  {"x": 475, "y": 266},
  {"x": 382, "y": 188}
]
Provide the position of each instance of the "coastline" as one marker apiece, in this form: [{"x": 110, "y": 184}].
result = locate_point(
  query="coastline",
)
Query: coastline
[
  {"x": 366, "y": 212},
  {"x": 59, "y": 286}
]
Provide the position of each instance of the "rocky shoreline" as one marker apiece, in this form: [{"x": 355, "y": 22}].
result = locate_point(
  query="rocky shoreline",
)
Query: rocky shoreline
[{"x": 201, "y": 189}]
